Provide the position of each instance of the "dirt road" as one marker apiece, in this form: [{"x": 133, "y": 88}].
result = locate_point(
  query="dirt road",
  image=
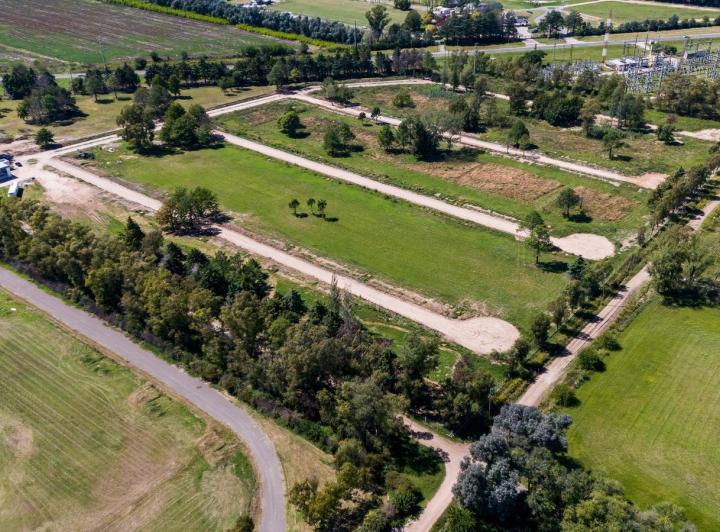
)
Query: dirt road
[
  {"x": 195, "y": 391},
  {"x": 589, "y": 246},
  {"x": 481, "y": 335}
]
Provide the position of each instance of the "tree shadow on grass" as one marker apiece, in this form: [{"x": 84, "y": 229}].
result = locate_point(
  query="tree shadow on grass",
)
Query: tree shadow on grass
[
  {"x": 553, "y": 266},
  {"x": 105, "y": 101},
  {"x": 331, "y": 219},
  {"x": 580, "y": 217}
]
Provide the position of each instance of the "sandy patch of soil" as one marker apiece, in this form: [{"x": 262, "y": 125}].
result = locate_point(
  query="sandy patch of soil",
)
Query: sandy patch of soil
[
  {"x": 712, "y": 135},
  {"x": 649, "y": 179},
  {"x": 604, "y": 206},
  {"x": 494, "y": 178},
  {"x": 18, "y": 437}
]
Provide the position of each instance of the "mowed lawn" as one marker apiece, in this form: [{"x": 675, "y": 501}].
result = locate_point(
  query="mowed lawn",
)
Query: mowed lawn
[
  {"x": 652, "y": 419},
  {"x": 86, "y": 445},
  {"x": 100, "y": 116},
  {"x": 492, "y": 182},
  {"x": 626, "y": 12},
  {"x": 347, "y": 11},
  {"x": 85, "y": 31},
  {"x": 459, "y": 264}
]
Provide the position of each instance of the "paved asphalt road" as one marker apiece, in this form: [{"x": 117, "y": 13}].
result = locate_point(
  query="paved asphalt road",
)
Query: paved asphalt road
[{"x": 195, "y": 391}]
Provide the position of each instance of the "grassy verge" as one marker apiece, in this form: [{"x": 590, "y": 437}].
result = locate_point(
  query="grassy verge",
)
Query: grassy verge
[
  {"x": 492, "y": 182},
  {"x": 651, "y": 419},
  {"x": 397, "y": 242},
  {"x": 133, "y": 457}
]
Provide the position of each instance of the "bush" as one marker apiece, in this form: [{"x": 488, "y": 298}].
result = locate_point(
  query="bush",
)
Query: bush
[
  {"x": 590, "y": 360},
  {"x": 564, "y": 395},
  {"x": 403, "y": 100}
]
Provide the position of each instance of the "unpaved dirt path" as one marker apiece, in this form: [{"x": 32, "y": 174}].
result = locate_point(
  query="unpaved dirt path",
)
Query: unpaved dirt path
[
  {"x": 481, "y": 335},
  {"x": 589, "y": 246}
]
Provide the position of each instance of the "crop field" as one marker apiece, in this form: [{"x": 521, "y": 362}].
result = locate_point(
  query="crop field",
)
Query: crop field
[
  {"x": 99, "y": 116},
  {"x": 347, "y": 11},
  {"x": 626, "y": 12},
  {"x": 86, "y": 445},
  {"x": 652, "y": 419},
  {"x": 464, "y": 176},
  {"x": 458, "y": 264},
  {"x": 85, "y": 31}
]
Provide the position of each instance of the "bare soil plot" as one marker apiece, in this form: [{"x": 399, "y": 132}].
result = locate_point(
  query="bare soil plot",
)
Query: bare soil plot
[{"x": 84, "y": 31}]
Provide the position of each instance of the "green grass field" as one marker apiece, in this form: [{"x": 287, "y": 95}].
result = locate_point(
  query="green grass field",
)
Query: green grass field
[
  {"x": 685, "y": 123},
  {"x": 100, "y": 116},
  {"x": 652, "y": 419},
  {"x": 625, "y": 12},
  {"x": 347, "y": 11},
  {"x": 489, "y": 181},
  {"x": 85, "y": 444},
  {"x": 459, "y": 264},
  {"x": 644, "y": 153},
  {"x": 85, "y": 31}
]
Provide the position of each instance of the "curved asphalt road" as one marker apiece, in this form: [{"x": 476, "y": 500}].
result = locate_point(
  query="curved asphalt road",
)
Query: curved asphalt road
[{"x": 195, "y": 391}]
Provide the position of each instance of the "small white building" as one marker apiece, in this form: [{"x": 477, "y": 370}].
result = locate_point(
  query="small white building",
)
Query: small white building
[
  {"x": 15, "y": 190},
  {"x": 5, "y": 170}
]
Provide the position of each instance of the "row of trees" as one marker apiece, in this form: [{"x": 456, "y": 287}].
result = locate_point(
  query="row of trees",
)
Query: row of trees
[
  {"x": 312, "y": 27},
  {"x": 494, "y": 26},
  {"x": 96, "y": 81}
]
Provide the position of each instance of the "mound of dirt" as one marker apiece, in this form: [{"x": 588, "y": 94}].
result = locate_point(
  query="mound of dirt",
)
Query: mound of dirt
[
  {"x": 604, "y": 206},
  {"x": 494, "y": 178}
]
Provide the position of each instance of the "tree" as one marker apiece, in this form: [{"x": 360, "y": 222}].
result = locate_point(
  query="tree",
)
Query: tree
[
  {"x": 539, "y": 240},
  {"x": 311, "y": 204},
  {"x": 294, "y": 204},
  {"x": 402, "y": 5},
  {"x": 94, "y": 83},
  {"x": 402, "y": 100},
  {"x": 278, "y": 75},
  {"x": 336, "y": 139},
  {"x": 133, "y": 235},
  {"x": 289, "y": 123},
  {"x": 19, "y": 82},
  {"x": 552, "y": 23},
  {"x": 588, "y": 112},
  {"x": 322, "y": 205},
  {"x": 186, "y": 129},
  {"x": 566, "y": 200},
  {"x": 613, "y": 140},
  {"x": 518, "y": 136},
  {"x": 540, "y": 328},
  {"x": 413, "y": 21},
  {"x": 558, "y": 309},
  {"x": 573, "y": 21},
  {"x": 532, "y": 220},
  {"x": 188, "y": 210},
  {"x": 336, "y": 93},
  {"x": 665, "y": 133},
  {"x": 416, "y": 359},
  {"x": 138, "y": 127},
  {"x": 377, "y": 17},
  {"x": 173, "y": 85},
  {"x": 386, "y": 138},
  {"x": 44, "y": 138}
]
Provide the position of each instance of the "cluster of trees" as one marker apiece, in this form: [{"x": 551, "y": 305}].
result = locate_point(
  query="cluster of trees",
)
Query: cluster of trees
[
  {"x": 43, "y": 101},
  {"x": 689, "y": 96},
  {"x": 188, "y": 210},
  {"x": 517, "y": 478},
  {"x": 418, "y": 136},
  {"x": 189, "y": 129},
  {"x": 493, "y": 26},
  {"x": 311, "y": 27},
  {"x": 313, "y": 365},
  {"x": 336, "y": 93}
]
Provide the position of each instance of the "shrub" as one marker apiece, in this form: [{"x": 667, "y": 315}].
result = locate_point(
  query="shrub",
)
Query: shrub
[
  {"x": 403, "y": 100},
  {"x": 564, "y": 395},
  {"x": 590, "y": 360}
]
